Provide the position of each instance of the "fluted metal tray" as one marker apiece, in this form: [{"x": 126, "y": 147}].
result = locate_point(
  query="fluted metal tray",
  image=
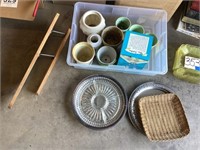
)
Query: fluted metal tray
[{"x": 146, "y": 89}]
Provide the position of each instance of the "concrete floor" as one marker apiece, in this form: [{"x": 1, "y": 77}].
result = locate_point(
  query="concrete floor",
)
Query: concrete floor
[{"x": 47, "y": 121}]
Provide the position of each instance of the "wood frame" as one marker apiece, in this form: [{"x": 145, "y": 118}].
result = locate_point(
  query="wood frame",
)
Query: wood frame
[{"x": 37, "y": 54}]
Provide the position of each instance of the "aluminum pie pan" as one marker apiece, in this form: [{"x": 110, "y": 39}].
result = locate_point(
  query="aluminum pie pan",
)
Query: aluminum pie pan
[
  {"x": 95, "y": 109},
  {"x": 145, "y": 89}
]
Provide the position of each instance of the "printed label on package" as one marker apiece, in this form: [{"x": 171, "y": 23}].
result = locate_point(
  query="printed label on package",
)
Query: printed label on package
[
  {"x": 9, "y": 3},
  {"x": 192, "y": 63},
  {"x": 132, "y": 60},
  {"x": 137, "y": 44}
]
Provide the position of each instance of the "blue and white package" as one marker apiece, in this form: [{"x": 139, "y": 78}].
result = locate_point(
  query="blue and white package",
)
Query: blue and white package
[
  {"x": 137, "y": 45},
  {"x": 131, "y": 62}
]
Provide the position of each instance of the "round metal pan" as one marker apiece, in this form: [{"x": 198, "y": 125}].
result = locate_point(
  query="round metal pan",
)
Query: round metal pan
[
  {"x": 99, "y": 101},
  {"x": 146, "y": 89}
]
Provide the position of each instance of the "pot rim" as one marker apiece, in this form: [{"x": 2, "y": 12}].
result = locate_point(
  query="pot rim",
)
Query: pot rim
[{"x": 94, "y": 12}]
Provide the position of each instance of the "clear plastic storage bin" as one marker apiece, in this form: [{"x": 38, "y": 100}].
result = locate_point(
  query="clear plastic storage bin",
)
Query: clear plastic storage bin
[{"x": 153, "y": 20}]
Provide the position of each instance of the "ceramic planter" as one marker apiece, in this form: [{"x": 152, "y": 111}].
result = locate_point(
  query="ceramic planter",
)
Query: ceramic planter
[
  {"x": 94, "y": 40},
  {"x": 112, "y": 36},
  {"x": 106, "y": 55},
  {"x": 137, "y": 28},
  {"x": 92, "y": 22},
  {"x": 83, "y": 53},
  {"x": 123, "y": 23}
]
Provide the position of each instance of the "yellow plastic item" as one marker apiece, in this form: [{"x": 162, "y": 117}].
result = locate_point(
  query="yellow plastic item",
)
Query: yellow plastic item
[{"x": 192, "y": 74}]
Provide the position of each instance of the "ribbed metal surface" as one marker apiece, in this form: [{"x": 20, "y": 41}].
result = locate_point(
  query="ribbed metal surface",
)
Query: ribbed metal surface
[
  {"x": 99, "y": 101},
  {"x": 146, "y": 89}
]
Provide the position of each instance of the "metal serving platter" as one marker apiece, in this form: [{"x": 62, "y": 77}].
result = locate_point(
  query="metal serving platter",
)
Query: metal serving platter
[
  {"x": 146, "y": 89},
  {"x": 99, "y": 101}
]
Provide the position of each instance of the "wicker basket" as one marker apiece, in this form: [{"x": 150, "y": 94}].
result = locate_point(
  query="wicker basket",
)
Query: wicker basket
[{"x": 163, "y": 117}]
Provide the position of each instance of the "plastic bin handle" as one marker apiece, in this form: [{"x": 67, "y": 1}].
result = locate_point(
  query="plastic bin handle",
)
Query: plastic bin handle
[{"x": 74, "y": 28}]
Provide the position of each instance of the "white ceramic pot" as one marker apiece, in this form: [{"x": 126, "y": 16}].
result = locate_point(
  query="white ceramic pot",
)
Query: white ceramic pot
[
  {"x": 94, "y": 40},
  {"x": 92, "y": 22},
  {"x": 83, "y": 53}
]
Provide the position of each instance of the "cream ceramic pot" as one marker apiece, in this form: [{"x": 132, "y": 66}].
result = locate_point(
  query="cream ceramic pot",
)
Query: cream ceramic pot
[
  {"x": 92, "y": 22},
  {"x": 83, "y": 53}
]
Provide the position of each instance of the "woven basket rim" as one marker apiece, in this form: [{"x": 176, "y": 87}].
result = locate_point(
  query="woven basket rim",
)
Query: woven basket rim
[{"x": 154, "y": 112}]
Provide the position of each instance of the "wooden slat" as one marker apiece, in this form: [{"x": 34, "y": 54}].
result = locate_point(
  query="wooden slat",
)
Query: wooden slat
[
  {"x": 53, "y": 62},
  {"x": 33, "y": 61}
]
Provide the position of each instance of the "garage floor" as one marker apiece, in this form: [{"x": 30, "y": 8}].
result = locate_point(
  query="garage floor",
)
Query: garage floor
[{"x": 46, "y": 121}]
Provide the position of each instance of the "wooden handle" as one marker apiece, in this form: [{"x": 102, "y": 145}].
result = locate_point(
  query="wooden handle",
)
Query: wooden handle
[
  {"x": 33, "y": 61},
  {"x": 53, "y": 62}
]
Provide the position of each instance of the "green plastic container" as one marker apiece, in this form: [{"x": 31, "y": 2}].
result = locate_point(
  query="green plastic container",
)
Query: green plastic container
[{"x": 187, "y": 63}]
